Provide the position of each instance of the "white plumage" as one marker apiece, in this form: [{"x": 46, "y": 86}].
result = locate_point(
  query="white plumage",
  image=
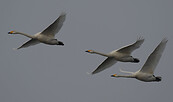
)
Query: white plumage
[
  {"x": 47, "y": 36},
  {"x": 146, "y": 73},
  {"x": 123, "y": 54}
]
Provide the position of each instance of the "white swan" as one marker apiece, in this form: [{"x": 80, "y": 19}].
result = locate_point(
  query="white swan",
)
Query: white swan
[
  {"x": 47, "y": 36},
  {"x": 123, "y": 54},
  {"x": 146, "y": 73}
]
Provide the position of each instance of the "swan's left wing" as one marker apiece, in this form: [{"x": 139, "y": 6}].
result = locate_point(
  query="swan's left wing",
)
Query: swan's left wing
[
  {"x": 55, "y": 26},
  {"x": 29, "y": 43},
  {"x": 154, "y": 58},
  {"x": 105, "y": 64},
  {"x": 130, "y": 48}
]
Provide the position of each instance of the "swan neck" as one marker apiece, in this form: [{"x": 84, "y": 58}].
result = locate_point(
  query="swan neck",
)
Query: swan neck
[
  {"x": 30, "y": 36},
  {"x": 102, "y": 54},
  {"x": 126, "y": 76}
]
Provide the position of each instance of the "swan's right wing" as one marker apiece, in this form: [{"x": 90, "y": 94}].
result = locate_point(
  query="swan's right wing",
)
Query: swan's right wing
[
  {"x": 105, "y": 64},
  {"x": 154, "y": 58},
  {"x": 55, "y": 26},
  {"x": 130, "y": 48},
  {"x": 29, "y": 43}
]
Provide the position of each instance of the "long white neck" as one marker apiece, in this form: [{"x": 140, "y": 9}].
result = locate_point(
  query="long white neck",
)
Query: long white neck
[
  {"x": 125, "y": 76},
  {"x": 102, "y": 54},
  {"x": 30, "y": 36}
]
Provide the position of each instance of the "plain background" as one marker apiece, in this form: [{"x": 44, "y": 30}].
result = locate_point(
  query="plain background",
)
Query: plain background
[{"x": 44, "y": 73}]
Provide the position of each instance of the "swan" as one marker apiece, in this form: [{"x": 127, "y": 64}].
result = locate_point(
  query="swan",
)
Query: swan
[
  {"x": 123, "y": 54},
  {"x": 47, "y": 36},
  {"x": 146, "y": 73}
]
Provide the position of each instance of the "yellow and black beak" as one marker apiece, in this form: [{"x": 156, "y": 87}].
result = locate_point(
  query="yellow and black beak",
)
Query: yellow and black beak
[
  {"x": 11, "y": 32},
  {"x": 88, "y": 51},
  {"x": 114, "y": 75}
]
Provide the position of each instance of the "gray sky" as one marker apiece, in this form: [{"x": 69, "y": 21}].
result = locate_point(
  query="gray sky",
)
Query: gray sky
[{"x": 44, "y": 73}]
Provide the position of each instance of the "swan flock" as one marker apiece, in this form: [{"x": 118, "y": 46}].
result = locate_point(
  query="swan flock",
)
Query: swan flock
[{"x": 146, "y": 73}]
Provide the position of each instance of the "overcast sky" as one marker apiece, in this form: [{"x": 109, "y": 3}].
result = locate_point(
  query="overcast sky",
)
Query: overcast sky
[{"x": 44, "y": 73}]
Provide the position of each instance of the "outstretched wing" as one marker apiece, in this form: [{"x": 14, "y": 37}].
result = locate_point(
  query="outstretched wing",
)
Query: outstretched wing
[
  {"x": 29, "y": 43},
  {"x": 105, "y": 64},
  {"x": 55, "y": 26},
  {"x": 154, "y": 58},
  {"x": 130, "y": 48}
]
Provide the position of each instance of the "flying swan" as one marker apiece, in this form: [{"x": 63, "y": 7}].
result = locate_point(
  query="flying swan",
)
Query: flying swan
[
  {"x": 146, "y": 73},
  {"x": 123, "y": 54},
  {"x": 47, "y": 36}
]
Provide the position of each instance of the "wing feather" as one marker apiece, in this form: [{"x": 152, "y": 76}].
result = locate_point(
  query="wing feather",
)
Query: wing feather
[
  {"x": 29, "y": 43},
  {"x": 130, "y": 48},
  {"x": 105, "y": 64},
  {"x": 55, "y": 26},
  {"x": 154, "y": 58}
]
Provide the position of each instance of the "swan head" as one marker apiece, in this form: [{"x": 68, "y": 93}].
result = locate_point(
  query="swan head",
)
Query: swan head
[
  {"x": 90, "y": 51},
  {"x": 12, "y": 32},
  {"x": 158, "y": 78},
  {"x": 114, "y": 75}
]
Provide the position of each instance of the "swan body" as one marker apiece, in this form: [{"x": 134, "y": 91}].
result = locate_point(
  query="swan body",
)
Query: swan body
[
  {"x": 47, "y": 36},
  {"x": 146, "y": 73},
  {"x": 140, "y": 76},
  {"x": 123, "y": 54}
]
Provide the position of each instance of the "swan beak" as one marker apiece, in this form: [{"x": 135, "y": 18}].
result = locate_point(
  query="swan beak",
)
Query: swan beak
[
  {"x": 88, "y": 51},
  {"x": 114, "y": 75},
  {"x": 11, "y": 32}
]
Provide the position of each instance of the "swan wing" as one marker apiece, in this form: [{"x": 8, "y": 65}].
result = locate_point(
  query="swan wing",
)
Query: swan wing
[
  {"x": 154, "y": 58},
  {"x": 104, "y": 65},
  {"x": 130, "y": 48},
  {"x": 55, "y": 26},
  {"x": 29, "y": 43}
]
